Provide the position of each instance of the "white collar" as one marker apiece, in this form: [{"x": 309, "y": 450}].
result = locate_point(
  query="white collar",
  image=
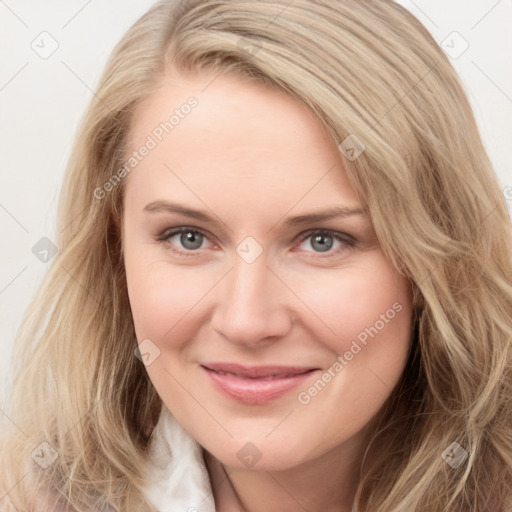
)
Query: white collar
[{"x": 180, "y": 479}]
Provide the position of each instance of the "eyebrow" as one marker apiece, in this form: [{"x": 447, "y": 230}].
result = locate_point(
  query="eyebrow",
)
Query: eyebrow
[{"x": 330, "y": 213}]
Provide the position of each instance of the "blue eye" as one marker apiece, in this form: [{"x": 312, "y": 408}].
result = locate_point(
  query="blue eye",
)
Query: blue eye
[
  {"x": 190, "y": 239},
  {"x": 322, "y": 241}
]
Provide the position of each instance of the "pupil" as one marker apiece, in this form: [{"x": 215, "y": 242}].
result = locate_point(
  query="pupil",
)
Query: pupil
[
  {"x": 191, "y": 240},
  {"x": 324, "y": 246}
]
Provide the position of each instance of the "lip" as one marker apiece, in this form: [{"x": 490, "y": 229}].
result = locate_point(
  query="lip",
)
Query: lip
[{"x": 256, "y": 384}]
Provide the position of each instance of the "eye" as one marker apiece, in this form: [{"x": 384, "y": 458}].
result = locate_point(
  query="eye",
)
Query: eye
[
  {"x": 322, "y": 241},
  {"x": 187, "y": 241},
  {"x": 190, "y": 240}
]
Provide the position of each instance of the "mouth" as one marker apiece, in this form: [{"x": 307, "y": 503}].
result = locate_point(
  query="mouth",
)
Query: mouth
[{"x": 255, "y": 384}]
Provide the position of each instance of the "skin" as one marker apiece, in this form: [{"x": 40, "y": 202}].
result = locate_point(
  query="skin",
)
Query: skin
[{"x": 251, "y": 157}]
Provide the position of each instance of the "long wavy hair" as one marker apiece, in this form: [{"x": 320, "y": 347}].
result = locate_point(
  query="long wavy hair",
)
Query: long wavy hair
[{"x": 370, "y": 70}]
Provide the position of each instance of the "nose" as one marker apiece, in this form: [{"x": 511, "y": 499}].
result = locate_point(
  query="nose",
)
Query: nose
[{"x": 252, "y": 304}]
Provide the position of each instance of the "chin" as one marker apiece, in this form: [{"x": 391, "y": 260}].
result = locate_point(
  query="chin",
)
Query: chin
[{"x": 259, "y": 456}]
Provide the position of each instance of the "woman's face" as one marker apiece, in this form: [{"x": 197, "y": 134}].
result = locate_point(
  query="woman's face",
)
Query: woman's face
[{"x": 272, "y": 326}]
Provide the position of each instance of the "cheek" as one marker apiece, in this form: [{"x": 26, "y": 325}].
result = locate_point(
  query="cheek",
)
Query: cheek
[
  {"x": 358, "y": 302},
  {"x": 162, "y": 295},
  {"x": 370, "y": 311}
]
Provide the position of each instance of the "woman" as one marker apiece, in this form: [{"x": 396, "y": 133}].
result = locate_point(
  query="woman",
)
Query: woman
[{"x": 283, "y": 281}]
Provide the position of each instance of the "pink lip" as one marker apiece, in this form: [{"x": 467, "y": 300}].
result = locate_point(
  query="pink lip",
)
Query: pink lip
[{"x": 255, "y": 384}]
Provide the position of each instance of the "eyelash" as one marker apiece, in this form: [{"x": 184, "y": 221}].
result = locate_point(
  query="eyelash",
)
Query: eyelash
[{"x": 347, "y": 240}]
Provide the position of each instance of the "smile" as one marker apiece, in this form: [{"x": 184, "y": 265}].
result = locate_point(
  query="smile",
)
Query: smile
[{"x": 255, "y": 385}]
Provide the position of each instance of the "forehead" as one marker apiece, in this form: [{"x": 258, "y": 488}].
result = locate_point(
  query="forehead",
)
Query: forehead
[
  {"x": 237, "y": 106},
  {"x": 224, "y": 133}
]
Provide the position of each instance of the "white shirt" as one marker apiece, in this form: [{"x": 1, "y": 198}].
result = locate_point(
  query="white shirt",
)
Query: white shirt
[{"x": 180, "y": 481}]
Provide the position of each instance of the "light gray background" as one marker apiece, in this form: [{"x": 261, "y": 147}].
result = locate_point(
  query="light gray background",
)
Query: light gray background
[{"x": 43, "y": 99}]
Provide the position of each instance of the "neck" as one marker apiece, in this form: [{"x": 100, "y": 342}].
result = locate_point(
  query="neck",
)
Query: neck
[{"x": 325, "y": 484}]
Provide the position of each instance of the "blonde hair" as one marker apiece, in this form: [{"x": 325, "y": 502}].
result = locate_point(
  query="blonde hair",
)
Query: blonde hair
[{"x": 369, "y": 70}]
